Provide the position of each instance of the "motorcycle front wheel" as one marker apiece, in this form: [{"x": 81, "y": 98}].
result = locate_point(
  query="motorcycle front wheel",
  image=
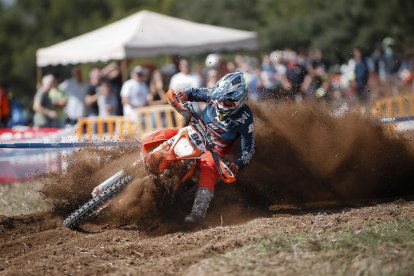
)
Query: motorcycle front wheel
[{"x": 91, "y": 207}]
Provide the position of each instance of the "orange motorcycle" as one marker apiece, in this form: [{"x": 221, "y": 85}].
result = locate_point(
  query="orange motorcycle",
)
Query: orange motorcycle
[{"x": 164, "y": 153}]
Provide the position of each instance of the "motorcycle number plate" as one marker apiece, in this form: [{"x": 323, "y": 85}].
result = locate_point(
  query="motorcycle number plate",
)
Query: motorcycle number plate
[{"x": 196, "y": 138}]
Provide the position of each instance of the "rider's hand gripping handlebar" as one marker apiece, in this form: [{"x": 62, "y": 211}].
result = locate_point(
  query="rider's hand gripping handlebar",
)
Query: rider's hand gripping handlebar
[{"x": 182, "y": 108}]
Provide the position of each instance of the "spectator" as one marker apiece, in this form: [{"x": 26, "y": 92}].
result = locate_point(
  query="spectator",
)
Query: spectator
[
  {"x": 107, "y": 100},
  {"x": 406, "y": 74},
  {"x": 157, "y": 89},
  {"x": 313, "y": 85},
  {"x": 112, "y": 73},
  {"x": 230, "y": 67},
  {"x": 247, "y": 66},
  {"x": 4, "y": 107},
  {"x": 45, "y": 113},
  {"x": 135, "y": 92},
  {"x": 318, "y": 61},
  {"x": 185, "y": 79},
  {"x": 390, "y": 60},
  {"x": 91, "y": 98},
  {"x": 18, "y": 114},
  {"x": 76, "y": 90},
  {"x": 361, "y": 75},
  {"x": 378, "y": 65},
  {"x": 277, "y": 59},
  {"x": 59, "y": 100},
  {"x": 292, "y": 83},
  {"x": 215, "y": 68},
  {"x": 268, "y": 77}
]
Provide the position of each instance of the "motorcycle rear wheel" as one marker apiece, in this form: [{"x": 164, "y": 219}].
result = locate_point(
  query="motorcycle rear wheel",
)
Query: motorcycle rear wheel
[{"x": 88, "y": 210}]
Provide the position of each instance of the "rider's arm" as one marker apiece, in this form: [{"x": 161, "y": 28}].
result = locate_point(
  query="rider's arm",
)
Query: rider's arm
[
  {"x": 246, "y": 140},
  {"x": 198, "y": 94}
]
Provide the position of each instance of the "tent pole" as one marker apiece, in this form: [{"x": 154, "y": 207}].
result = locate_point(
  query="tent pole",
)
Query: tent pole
[
  {"x": 39, "y": 76},
  {"x": 124, "y": 70}
]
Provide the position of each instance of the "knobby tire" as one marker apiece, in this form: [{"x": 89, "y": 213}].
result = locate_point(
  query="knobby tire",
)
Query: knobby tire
[{"x": 88, "y": 209}]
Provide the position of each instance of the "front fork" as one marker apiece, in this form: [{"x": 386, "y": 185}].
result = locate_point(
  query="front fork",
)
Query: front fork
[{"x": 110, "y": 181}]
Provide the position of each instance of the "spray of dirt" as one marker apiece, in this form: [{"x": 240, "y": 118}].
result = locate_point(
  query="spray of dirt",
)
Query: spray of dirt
[
  {"x": 305, "y": 155},
  {"x": 145, "y": 198},
  {"x": 85, "y": 169}
]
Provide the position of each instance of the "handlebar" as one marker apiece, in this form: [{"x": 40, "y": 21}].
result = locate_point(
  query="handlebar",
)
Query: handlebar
[{"x": 187, "y": 111}]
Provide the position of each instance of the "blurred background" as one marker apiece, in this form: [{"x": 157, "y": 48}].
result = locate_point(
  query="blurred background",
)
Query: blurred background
[
  {"x": 335, "y": 28},
  {"x": 338, "y": 53}
]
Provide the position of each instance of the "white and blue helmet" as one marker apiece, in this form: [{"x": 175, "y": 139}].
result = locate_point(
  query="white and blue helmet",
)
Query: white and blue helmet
[{"x": 229, "y": 94}]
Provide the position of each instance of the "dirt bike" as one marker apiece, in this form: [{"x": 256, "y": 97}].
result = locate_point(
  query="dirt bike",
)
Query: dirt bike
[{"x": 161, "y": 155}]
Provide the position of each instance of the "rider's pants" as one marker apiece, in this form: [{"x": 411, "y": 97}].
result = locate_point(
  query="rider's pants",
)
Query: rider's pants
[{"x": 208, "y": 171}]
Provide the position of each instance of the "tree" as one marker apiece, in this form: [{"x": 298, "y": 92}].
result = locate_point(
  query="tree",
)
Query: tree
[{"x": 332, "y": 26}]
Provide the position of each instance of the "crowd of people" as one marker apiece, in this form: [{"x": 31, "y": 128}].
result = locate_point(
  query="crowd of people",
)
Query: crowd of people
[{"x": 284, "y": 75}]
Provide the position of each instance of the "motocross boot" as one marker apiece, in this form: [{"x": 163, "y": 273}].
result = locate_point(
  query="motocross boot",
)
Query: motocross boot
[{"x": 202, "y": 201}]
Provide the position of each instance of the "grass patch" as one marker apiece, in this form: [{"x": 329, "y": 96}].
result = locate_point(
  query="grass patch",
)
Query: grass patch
[
  {"x": 383, "y": 249},
  {"x": 21, "y": 198}
]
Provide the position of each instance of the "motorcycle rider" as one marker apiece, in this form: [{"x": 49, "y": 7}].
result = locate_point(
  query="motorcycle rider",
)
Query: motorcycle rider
[{"x": 228, "y": 117}]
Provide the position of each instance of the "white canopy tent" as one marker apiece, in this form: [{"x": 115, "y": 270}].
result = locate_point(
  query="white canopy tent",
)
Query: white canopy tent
[{"x": 145, "y": 34}]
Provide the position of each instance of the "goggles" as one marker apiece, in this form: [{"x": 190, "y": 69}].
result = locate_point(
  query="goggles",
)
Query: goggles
[{"x": 227, "y": 104}]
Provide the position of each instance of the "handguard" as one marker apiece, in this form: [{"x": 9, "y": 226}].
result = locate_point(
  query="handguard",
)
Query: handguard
[
  {"x": 173, "y": 101},
  {"x": 224, "y": 171}
]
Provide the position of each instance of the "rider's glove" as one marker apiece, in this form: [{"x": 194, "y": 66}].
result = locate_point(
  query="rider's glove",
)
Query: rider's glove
[
  {"x": 182, "y": 97},
  {"x": 233, "y": 167}
]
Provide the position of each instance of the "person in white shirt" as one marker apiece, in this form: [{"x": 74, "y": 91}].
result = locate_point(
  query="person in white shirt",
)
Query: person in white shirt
[
  {"x": 186, "y": 79},
  {"x": 76, "y": 90},
  {"x": 135, "y": 92}
]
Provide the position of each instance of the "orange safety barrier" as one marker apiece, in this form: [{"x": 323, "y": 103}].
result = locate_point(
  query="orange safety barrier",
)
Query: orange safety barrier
[
  {"x": 150, "y": 119},
  {"x": 398, "y": 106},
  {"x": 157, "y": 117},
  {"x": 112, "y": 127}
]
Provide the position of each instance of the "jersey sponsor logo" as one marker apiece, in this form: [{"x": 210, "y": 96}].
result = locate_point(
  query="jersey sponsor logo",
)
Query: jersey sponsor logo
[
  {"x": 236, "y": 80},
  {"x": 247, "y": 154},
  {"x": 223, "y": 123},
  {"x": 242, "y": 119},
  {"x": 215, "y": 128},
  {"x": 251, "y": 128}
]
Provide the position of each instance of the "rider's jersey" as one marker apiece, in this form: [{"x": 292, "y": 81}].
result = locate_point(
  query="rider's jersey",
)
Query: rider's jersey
[{"x": 228, "y": 131}]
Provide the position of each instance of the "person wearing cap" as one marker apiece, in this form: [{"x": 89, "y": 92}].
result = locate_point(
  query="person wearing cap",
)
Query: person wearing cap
[{"x": 135, "y": 92}]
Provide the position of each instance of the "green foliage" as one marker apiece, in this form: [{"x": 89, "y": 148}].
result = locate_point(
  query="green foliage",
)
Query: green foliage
[{"x": 333, "y": 26}]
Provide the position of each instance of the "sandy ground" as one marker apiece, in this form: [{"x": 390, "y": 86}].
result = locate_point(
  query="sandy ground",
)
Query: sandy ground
[{"x": 38, "y": 243}]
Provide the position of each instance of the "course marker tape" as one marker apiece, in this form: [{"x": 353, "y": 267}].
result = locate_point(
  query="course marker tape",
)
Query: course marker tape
[{"x": 65, "y": 145}]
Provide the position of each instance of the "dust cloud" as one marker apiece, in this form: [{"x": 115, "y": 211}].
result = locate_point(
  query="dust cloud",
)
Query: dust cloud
[
  {"x": 306, "y": 155},
  {"x": 85, "y": 169},
  {"x": 303, "y": 155}
]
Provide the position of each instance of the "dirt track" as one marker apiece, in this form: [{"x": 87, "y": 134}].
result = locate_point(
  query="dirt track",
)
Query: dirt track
[{"x": 38, "y": 244}]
